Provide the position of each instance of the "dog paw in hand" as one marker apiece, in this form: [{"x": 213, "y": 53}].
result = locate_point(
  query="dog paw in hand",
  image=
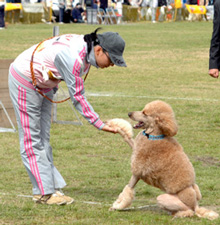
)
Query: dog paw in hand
[{"x": 122, "y": 126}]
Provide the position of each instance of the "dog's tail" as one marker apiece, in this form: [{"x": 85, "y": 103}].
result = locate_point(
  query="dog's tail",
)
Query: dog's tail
[{"x": 206, "y": 213}]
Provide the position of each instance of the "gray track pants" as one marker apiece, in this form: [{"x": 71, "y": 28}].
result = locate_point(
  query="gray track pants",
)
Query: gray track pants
[{"x": 33, "y": 113}]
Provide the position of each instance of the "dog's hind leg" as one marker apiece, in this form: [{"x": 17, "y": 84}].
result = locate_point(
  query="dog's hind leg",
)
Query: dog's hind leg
[
  {"x": 171, "y": 203},
  {"x": 189, "y": 197},
  {"x": 127, "y": 195},
  {"x": 181, "y": 204}
]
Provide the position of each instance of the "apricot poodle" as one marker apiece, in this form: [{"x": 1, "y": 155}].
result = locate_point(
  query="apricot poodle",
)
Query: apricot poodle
[{"x": 159, "y": 160}]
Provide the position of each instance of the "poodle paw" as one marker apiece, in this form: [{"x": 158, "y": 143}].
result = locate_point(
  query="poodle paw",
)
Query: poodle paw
[
  {"x": 182, "y": 214},
  {"x": 119, "y": 205},
  {"x": 124, "y": 200},
  {"x": 124, "y": 127}
]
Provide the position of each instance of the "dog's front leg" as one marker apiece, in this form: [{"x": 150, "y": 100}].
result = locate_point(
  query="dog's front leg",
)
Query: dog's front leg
[
  {"x": 127, "y": 195},
  {"x": 133, "y": 181},
  {"x": 130, "y": 141}
]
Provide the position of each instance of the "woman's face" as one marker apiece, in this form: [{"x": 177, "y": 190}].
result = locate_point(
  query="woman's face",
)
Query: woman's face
[{"x": 102, "y": 57}]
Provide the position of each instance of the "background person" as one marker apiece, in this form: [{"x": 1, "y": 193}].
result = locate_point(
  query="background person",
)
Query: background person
[
  {"x": 119, "y": 6},
  {"x": 2, "y": 14},
  {"x": 68, "y": 11},
  {"x": 47, "y": 6},
  {"x": 162, "y": 4},
  {"x": 202, "y": 3},
  {"x": 69, "y": 57},
  {"x": 103, "y": 4},
  {"x": 62, "y": 8},
  {"x": 214, "y": 52},
  {"x": 144, "y": 4},
  {"x": 192, "y": 16},
  {"x": 77, "y": 12},
  {"x": 153, "y": 6}
]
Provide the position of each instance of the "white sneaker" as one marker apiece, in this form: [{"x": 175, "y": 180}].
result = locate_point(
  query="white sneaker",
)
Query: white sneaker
[
  {"x": 36, "y": 197},
  {"x": 68, "y": 199},
  {"x": 51, "y": 199}
]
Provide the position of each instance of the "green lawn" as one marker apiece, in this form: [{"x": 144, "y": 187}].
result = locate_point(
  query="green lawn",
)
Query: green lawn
[{"x": 167, "y": 61}]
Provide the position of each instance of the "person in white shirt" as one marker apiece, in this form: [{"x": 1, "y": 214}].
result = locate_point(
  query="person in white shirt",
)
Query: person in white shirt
[{"x": 153, "y": 6}]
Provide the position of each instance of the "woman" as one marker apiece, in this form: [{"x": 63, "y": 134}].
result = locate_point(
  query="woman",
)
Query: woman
[{"x": 67, "y": 57}]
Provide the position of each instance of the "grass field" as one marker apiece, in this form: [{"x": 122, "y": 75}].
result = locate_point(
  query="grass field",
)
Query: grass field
[{"x": 167, "y": 61}]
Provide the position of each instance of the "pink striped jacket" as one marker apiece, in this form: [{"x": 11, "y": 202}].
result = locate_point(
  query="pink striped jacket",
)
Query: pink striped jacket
[{"x": 64, "y": 56}]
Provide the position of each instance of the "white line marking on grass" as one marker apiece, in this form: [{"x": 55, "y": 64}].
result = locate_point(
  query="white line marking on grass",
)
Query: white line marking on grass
[
  {"x": 146, "y": 96},
  {"x": 139, "y": 207},
  {"x": 30, "y": 196},
  {"x": 25, "y": 196},
  {"x": 90, "y": 203},
  {"x": 150, "y": 97}
]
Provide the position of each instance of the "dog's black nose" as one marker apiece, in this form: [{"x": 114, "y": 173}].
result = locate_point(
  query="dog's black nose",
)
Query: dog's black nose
[{"x": 129, "y": 114}]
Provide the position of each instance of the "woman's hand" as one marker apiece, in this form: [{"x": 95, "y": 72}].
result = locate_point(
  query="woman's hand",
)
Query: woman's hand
[{"x": 110, "y": 129}]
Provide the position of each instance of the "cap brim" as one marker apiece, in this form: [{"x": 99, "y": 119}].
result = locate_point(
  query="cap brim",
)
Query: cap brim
[{"x": 117, "y": 60}]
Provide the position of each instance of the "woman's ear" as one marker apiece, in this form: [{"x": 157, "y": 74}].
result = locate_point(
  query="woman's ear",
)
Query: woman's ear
[{"x": 97, "y": 49}]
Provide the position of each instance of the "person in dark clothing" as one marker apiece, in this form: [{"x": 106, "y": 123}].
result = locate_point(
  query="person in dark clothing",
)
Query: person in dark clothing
[
  {"x": 214, "y": 53},
  {"x": 126, "y": 2},
  {"x": 77, "y": 14},
  {"x": 91, "y": 4},
  {"x": 162, "y": 3},
  {"x": 192, "y": 2},
  {"x": 104, "y": 4},
  {"x": 2, "y": 14}
]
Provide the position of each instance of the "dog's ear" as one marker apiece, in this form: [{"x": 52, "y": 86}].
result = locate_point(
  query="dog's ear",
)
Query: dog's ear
[{"x": 167, "y": 124}]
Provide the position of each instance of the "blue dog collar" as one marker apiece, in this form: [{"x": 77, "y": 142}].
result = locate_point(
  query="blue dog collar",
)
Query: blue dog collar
[{"x": 152, "y": 137}]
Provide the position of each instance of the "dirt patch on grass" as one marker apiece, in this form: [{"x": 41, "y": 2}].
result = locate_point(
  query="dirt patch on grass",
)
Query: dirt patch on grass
[{"x": 208, "y": 161}]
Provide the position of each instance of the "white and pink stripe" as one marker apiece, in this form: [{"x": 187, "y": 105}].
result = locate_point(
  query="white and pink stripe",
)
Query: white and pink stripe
[
  {"x": 78, "y": 96},
  {"x": 27, "y": 137},
  {"x": 79, "y": 87},
  {"x": 25, "y": 82}
]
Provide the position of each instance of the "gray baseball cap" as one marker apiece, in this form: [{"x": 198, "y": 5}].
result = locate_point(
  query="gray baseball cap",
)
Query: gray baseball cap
[{"x": 114, "y": 45}]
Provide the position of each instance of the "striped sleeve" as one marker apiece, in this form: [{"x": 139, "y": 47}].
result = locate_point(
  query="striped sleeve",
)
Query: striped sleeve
[{"x": 69, "y": 67}]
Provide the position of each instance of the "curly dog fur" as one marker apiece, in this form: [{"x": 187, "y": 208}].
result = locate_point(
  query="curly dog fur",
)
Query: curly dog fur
[{"x": 159, "y": 160}]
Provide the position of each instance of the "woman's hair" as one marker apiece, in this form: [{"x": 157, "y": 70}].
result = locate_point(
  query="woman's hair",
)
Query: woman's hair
[{"x": 91, "y": 39}]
